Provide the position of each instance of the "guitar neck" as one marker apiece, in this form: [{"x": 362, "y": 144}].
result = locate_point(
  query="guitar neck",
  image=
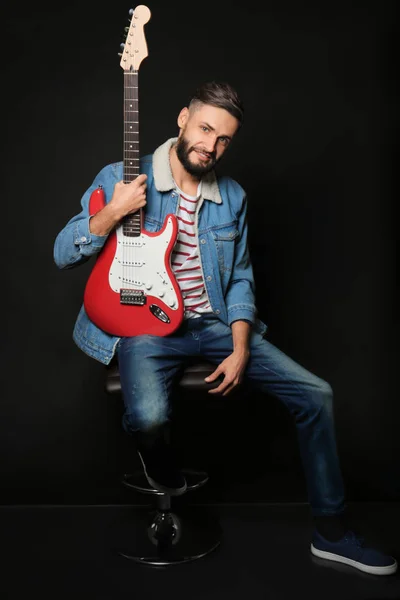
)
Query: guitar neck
[{"x": 131, "y": 166}]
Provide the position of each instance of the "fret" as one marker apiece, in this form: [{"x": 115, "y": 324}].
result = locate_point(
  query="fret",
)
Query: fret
[{"x": 131, "y": 224}]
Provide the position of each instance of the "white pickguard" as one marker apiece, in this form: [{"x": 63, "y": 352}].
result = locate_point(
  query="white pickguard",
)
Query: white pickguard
[{"x": 139, "y": 265}]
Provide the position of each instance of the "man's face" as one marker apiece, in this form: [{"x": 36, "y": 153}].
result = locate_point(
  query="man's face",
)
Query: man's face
[{"x": 205, "y": 133}]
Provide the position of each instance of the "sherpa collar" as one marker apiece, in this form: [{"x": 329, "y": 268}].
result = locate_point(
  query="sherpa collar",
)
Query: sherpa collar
[{"x": 164, "y": 180}]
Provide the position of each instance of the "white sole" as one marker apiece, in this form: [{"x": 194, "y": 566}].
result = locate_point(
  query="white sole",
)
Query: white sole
[
  {"x": 388, "y": 570},
  {"x": 161, "y": 488}
]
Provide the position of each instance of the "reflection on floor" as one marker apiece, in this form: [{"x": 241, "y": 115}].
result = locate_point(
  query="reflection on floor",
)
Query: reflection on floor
[{"x": 73, "y": 552}]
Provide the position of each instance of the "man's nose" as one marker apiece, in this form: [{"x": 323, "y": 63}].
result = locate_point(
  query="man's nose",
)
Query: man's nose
[
  {"x": 210, "y": 144},
  {"x": 210, "y": 147}
]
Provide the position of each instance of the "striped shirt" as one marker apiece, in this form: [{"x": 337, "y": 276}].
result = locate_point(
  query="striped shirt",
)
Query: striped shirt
[{"x": 185, "y": 260}]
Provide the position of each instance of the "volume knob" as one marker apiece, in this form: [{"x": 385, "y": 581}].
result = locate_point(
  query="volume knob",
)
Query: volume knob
[{"x": 170, "y": 301}]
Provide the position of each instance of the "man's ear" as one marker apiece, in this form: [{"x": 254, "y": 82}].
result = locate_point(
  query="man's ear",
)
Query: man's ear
[{"x": 183, "y": 117}]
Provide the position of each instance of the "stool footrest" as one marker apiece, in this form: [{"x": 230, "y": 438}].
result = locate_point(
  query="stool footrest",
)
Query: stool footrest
[{"x": 137, "y": 481}]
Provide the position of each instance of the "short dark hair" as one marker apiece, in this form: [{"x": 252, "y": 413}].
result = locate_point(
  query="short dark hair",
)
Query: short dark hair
[{"x": 221, "y": 95}]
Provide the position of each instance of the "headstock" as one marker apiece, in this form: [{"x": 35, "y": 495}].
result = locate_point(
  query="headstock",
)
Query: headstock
[{"x": 134, "y": 50}]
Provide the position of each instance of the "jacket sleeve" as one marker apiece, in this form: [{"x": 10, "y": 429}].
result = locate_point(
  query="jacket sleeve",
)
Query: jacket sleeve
[
  {"x": 75, "y": 244},
  {"x": 240, "y": 297}
]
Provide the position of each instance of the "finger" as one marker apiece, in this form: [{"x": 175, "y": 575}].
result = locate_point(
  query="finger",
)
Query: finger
[
  {"x": 213, "y": 375},
  {"x": 221, "y": 388},
  {"x": 229, "y": 389},
  {"x": 138, "y": 205},
  {"x": 141, "y": 178}
]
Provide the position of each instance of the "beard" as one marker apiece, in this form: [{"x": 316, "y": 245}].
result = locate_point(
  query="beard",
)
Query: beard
[{"x": 195, "y": 169}]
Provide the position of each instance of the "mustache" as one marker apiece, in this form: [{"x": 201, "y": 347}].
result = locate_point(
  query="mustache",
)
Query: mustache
[{"x": 210, "y": 155}]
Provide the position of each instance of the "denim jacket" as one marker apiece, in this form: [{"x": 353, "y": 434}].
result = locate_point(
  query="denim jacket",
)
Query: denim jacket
[{"x": 222, "y": 238}]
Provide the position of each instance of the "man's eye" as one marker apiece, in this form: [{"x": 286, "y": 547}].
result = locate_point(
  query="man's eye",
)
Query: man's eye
[{"x": 204, "y": 128}]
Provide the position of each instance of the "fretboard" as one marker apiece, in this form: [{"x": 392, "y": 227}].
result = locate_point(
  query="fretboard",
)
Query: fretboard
[{"x": 131, "y": 223}]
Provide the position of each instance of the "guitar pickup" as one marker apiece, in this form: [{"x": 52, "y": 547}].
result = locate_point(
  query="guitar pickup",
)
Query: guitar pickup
[{"x": 133, "y": 297}]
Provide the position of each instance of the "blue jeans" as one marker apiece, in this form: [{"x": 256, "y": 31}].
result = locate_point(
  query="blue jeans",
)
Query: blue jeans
[{"x": 148, "y": 365}]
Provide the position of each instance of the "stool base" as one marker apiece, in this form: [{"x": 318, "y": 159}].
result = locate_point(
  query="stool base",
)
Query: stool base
[{"x": 161, "y": 538}]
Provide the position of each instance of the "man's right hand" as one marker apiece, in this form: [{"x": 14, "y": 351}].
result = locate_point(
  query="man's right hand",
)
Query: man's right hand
[{"x": 127, "y": 198}]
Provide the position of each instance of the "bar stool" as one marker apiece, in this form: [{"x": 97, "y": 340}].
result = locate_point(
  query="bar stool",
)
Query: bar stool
[{"x": 162, "y": 536}]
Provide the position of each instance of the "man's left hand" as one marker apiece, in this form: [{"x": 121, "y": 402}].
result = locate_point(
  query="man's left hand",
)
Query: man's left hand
[{"x": 232, "y": 368}]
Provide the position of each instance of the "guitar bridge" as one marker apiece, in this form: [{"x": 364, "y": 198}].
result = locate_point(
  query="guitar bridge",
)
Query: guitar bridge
[{"x": 133, "y": 297}]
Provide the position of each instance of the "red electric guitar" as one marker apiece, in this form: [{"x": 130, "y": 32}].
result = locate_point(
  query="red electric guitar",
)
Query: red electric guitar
[{"x": 132, "y": 289}]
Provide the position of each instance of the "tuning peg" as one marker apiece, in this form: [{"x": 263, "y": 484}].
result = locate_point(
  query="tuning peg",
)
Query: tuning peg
[
  {"x": 122, "y": 45},
  {"x": 126, "y": 29},
  {"x": 119, "y": 53},
  {"x": 131, "y": 11}
]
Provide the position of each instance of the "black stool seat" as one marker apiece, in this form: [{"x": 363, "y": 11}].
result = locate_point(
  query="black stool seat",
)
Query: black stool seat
[
  {"x": 192, "y": 378},
  {"x": 162, "y": 537}
]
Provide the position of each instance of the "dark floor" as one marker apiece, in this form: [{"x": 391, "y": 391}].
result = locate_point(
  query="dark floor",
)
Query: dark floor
[{"x": 71, "y": 552}]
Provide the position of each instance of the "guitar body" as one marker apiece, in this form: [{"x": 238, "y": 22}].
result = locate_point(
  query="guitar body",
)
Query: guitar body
[{"x": 131, "y": 289}]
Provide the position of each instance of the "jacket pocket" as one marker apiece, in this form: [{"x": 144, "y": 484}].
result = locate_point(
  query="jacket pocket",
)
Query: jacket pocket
[{"x": 224, "y": 239}]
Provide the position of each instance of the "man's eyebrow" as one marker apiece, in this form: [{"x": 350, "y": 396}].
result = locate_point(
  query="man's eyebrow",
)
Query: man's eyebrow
[{"x": 213, "y": 129}]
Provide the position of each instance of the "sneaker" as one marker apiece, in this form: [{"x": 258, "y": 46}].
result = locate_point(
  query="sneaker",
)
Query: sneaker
[
  {"x": 350, "y": 550},
  {"x": 161, "y": 468}
]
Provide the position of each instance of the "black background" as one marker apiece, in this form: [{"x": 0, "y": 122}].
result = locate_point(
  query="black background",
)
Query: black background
[{"x": 316, "y": 157}]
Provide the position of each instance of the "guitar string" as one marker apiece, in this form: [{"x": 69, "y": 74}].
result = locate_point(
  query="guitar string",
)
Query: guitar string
[
  {"x": 131, "y": 112},
  {"x": 137, "y": 216}
]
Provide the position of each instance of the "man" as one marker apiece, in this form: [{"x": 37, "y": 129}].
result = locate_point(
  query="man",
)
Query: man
[{"x": 212, "y": 266}]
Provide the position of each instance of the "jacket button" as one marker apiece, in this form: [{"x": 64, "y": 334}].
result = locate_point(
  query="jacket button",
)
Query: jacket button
[
  {"x": 83, "y": 239},
  {"x": 208, "y": 277},
  {"x": 202, "y": 241},
  {"x": 217, "y": 311}
]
